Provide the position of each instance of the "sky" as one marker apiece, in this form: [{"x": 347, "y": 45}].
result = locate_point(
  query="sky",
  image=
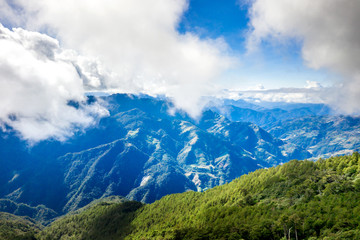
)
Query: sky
[
  {"x": 53, "y": 52},
  {"x": 274, "y": 67}
]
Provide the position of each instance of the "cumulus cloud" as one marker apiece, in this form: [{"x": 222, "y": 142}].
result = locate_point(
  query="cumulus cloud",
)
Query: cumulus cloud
[
  {"x": 328, "y": 32},
  {"x": 139, "y": 44},
  {"x": 36, "y": 86}
]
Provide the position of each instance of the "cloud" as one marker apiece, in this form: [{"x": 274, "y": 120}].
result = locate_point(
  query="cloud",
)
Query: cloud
[
  {"x": 308, "y": 94},
  {"x": 10, "y": 13},
  {"x": 139, "y": 44},
  {"x": 36, "y": 86},
  {"x": 327, "y": 31},
  {"x": 312, "y": 84}
]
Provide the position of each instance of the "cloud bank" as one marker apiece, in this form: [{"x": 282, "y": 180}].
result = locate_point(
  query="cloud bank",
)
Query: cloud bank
[
  {"x": 130, "y": 46},
  {"x": 329, "y": 35},
  {"x": 312, "y": 92},
  {"x": 133, "y": 46},
  {"x": 36, "y": 85},
  {"x": 139, "y": 44}
]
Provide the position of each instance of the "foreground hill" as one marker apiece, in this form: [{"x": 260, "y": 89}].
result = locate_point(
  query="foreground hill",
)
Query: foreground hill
[
  {"x": 298, "y": 200},
  {"x": 17, "y": 228}
]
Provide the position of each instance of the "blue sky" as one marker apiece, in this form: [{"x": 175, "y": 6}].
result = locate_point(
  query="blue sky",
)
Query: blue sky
[
  {"x": 274, "y": 66},
  {"x": 217, "y": 19}
]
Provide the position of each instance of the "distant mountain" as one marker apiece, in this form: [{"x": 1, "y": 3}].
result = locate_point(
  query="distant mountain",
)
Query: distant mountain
[
  {"x": 322, "y": 136},
  {"x": 266, "y": 114},
  {"x": 298, "y": 200},
  {"x": 315, "y": 127},
  {"x": 253, "y": 139},
  {"x": 157, "y": 157},
  {"x": 140, "y": 151}
]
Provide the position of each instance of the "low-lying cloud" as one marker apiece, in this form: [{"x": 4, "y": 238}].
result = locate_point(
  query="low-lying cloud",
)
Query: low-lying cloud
[
  {"x": 312, "y": 92},
  {"x": 328, "y": 33},
  {"x": 36, "y": 85}
]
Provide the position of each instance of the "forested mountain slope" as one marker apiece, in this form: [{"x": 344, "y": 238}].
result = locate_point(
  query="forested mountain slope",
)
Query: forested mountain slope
[
  {"x": 17, "y": 228},
  {"x": 300, "y": 199}
]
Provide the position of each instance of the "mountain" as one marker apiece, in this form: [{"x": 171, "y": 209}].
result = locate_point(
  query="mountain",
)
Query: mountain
[
  {"x": 314, "y": 127},
  {"x": 322, "y": 136},
  {"x": 265, "y": 114},
  {"x": 298, "y": 200},
  {"x": 158, "y": 157},
  {"x": 140, "y": 151},
  {"x": 143, "y": 152},
  {"x": 252, "y": 138},
  {"x": 40, "y": 213}
]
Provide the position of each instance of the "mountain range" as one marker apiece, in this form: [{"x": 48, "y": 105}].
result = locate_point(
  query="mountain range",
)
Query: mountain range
[{"x": 142, "y": 152}]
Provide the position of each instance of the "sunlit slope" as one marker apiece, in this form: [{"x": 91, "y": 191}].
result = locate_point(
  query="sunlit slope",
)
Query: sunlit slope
[{"x": 303, "y": 198}]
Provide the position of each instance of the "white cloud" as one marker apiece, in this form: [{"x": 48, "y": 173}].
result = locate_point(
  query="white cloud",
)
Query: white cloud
[
  {"x": 328, "y": 32},
  {"x": 10, "y": 13},
  {"x": 312, "y": 84},
  {"x": 138, "y": 43},
  {"x": 288, "y": 95},
  {"x": 36, "y": 85}
]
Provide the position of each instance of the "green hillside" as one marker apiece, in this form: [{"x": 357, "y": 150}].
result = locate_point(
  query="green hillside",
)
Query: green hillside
[
  {"x": 300, "y": 199},
  {"x": 17, "y": 228}
]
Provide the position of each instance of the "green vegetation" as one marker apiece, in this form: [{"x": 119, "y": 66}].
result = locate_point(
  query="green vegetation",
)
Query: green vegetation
[
  {"x": 17, "y": 228},
  {"x": 298, "y": 200},
  {"x": 102, "y": 221}
]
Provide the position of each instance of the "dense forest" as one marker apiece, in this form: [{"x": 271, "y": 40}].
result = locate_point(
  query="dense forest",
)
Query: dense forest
[
  {"x": 17, "y": 228},
  {"x": 297, "y": 200}
]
